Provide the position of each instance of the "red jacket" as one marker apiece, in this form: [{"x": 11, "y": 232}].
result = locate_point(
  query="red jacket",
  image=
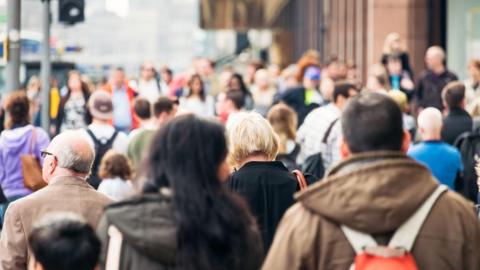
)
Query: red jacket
[{"x": 131, "y": 96}]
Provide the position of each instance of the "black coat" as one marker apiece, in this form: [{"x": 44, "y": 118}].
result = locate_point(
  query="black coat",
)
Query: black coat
[
  {"x": 455, "y": 123},
  {"x": 295, "y": 98},
  {"x": 268, "y": 188},
  {"x": 428, "y": 92}
]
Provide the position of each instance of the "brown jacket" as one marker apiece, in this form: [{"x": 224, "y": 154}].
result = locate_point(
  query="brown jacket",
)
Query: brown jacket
[
  {"x": 64, "y": 194},
  {"x": 375, "y": 193}
]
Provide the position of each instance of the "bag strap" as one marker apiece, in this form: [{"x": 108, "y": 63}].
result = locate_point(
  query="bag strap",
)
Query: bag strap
[
  {"x": 114, "y": 135},
  {"x": 114, "y": 248},
  {"x": 90, "y": 133},
  {"x": 302, "y": 183},
  {"x": 405, "y": 235},
  {"x": 329, "y": 130},
  {"x": 33, "y": 140}
]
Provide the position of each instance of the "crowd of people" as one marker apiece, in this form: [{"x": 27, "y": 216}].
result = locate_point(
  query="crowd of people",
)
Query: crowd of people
[{"x": 272, "y": 169}]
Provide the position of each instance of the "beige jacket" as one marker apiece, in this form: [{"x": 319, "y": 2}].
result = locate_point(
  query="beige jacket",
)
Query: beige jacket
[
  {"x": 64, "y": 194},
  {"x": 375, "y": 193}
]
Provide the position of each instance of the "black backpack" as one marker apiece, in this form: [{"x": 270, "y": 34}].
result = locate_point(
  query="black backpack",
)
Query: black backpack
[
  {"x": 102, "y": 145},
  {"x": 468, "y": 144}
]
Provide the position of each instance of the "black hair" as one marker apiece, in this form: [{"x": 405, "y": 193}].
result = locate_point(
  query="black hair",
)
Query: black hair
[
  {"x": 343, "y": 89},
  {"x": 163, "y": 104},
  {"x": 237, "y": 97},
  {"x": 372, "y": 122},
  {"x": 213, "y": 224},
  {"x": 453, "y": 94},
  {"x": 142, "y": 108},
  {"x": 202, "y": 87},
  {"x": 65, "y": 244},
  {"x": 243, "y": 86}
]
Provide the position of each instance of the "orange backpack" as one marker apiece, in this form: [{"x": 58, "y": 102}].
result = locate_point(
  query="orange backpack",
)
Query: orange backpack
[{"x": 397, "y": 255}]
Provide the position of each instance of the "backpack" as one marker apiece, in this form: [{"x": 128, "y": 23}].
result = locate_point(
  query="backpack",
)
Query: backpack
[
  {"x": 102, "y": 145},
  {"x": 397, "y": 255},
  {"x": 468, "y": 144}
]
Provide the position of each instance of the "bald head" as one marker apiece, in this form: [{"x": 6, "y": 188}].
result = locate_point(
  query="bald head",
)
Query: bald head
[
  {"x": 435, "y": 57},
  {"x": 430, "y": 124},
  {"x": 73, "y": 152}
]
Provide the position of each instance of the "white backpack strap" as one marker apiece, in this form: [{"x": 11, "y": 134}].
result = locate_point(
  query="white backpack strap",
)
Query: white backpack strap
[
  {"x": 406, "y": 234},
  {"x": 114, "y": 248},
  {"x": 358, "y": 240}
]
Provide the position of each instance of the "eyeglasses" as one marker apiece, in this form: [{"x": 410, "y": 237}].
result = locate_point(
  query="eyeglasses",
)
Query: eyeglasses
[{"x": 46, "y": 153}]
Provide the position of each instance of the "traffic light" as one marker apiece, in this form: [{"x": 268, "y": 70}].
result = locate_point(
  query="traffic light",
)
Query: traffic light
[{"x": 71, "y": 11}]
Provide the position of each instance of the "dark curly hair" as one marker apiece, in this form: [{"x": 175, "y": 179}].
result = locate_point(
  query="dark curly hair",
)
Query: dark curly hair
[{"x": 17, "y": 105}]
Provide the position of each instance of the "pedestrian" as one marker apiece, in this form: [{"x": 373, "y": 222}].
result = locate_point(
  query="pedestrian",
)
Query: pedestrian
[
  {"x": 19, "y": 138},
  {"x": 197, "y": 100},
  {"x": 266, "y": 184},
  {"x": 472, "y": 85},
  {"x": 143, "y": 112},
  {"x": 262, "y": 92},
  {"x": 457, "y": 120},
  {"x": 443, "y": 160},
  {"x": 67, "y": 163},
  {"x": 374, "y": 191},
  {"x": 148, "y": 85},
  {"x": 228, "y": 104},
  {"x": 122, "y": 99},
  {"x": 116, "y": 173},
  {"x": 399, "y": 78},
  {"x": 188, "y": 219},
  {"x": 284, "y": 122},
  {"x": 236, "y": 83},
  {"x": 428, "y": 91},
  {"x": 101, "y": 135},
  {"x": 393, "y": 45},
  {"x": 73, "y": 112},
  {"x": 64, "y": 241}
]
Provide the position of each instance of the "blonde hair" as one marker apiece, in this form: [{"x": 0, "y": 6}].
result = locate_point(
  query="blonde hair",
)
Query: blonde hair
[
  {"x": 387, "y": 45},
  {"x": 250, "y": 134},
  {"x": 284, "y": 122}
]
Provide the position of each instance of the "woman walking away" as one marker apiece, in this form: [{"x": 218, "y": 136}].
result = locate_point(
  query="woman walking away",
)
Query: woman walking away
[
  {"x": 115, "y": 172},
  {"x": 19, "y": 138},
  {"x": 185, "y": 219},
  {"x": 266, "y": 184}
]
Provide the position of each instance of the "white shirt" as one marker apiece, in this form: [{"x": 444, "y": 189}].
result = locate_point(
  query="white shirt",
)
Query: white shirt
[
  {"x": 197, "y": 106},
  {"x": 117, "y": 189},
  {"x": 120, "y": 143},
  {"x": 149, "y": 90}
]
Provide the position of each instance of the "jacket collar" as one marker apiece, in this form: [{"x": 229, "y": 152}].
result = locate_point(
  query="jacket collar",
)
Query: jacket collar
[{"x": 68, "y": 181}]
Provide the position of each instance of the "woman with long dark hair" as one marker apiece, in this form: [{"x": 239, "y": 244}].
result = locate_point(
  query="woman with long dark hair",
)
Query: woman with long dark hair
[
  {"x": 185, "y": 219},
  {"x": 236, "y": 83},
  {"x": 197, "y": 101}
]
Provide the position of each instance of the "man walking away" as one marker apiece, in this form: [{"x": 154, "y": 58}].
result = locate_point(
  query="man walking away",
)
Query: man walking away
[{"x": 457, "y": 120}]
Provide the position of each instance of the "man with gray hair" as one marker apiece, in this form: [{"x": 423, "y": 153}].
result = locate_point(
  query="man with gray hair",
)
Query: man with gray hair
[
  {"x": 67, "y": 163},
  {"x": 443, "y": 160},
  {"x": 431, "y": 81}
]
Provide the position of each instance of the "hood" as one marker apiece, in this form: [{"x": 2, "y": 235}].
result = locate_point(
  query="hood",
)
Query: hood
[
  {"x": 372, "y": 192},
  {"x": 16, "y": 139},
  {"x": 147, "y": 224}
]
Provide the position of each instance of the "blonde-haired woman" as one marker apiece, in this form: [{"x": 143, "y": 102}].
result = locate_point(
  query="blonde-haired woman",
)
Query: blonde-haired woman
[
  {"x": 266, "y": 184},
  {"x": 284, "y": 122},
  {"x": 393, "y": 45}
]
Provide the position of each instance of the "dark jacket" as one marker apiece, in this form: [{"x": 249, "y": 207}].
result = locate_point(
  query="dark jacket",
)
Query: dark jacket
[
  {"x": 295, "y": 98},
  {"x": 428, "y": 92},
  {"x": 455, "y": 123},
  {"x": 405, "y": 62},
  {"x": 61, "y": 110},
  {"x": 375, "y": 193},
  {"x": 268, "y": 188},
  {"x": 147, "y": 225}
]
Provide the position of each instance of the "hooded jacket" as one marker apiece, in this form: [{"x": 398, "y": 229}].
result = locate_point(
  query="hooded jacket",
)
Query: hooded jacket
[
  {"x": 14, "y": 143},
  {"x": 149, "y": 232},
  {"x": 375, "y": 193}
]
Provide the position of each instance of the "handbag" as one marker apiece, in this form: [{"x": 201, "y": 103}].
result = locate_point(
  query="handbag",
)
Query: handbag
[
  {"x": 302, "y": 183},
  {"x": 31, "y": 170}
]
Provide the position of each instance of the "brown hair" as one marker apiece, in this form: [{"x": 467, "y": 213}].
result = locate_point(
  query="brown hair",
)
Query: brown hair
[
  {"x": 284, "y": 122},
  {"x": 114, "y": 164},
  {"x": 453, "y": 94},
  {"x": 475, "y": 63},
  {"x": 17, "y": 106}
]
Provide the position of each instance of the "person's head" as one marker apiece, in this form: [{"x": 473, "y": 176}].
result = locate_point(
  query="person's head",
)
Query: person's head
[
  {"x": 68, "y": 154},
  {"x": 118, "y": 77},
  {"x": 378, "y": 80},
  {"x": 331, "y": 67},
  {"x": 261, "y": 79},
  {"x": 166, "y": 74},
  {"x": 474, "y": 70},
  {"x": 147, "y": 71},
  {"x": 283, "y": 120},
  {"x": 236, "y": 83},
  {"x": 196, "y": 86},
  {"x": 327, "y": 87},
  {"x": 64, "y": 241},
  {"x": 252, "y": 68},
  {"x": 74, "y": 82},
  {"x": 394, "y": 64},
  {"x": 401, "y": 99},
  {"x": 430, "y": 123},
  {"x": 34, "y": 83},
  {"x": 342, "y": 92},
  {"x": 114, "y": 165},
  {"x": 164, "y": 110},
  {"x": 251, "y": 137},
  {"x": 372, "y": 122},
  {"x": 453, "y": 95},
  {"x": 392, "y": 44},
  {"x": 435, "y": 58},
  {"x": 17, "y": 107},
  {"x": 142, "y": 108},
  {"x": 100, "y": 106},
  {"x": 311, "y": 78}
]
